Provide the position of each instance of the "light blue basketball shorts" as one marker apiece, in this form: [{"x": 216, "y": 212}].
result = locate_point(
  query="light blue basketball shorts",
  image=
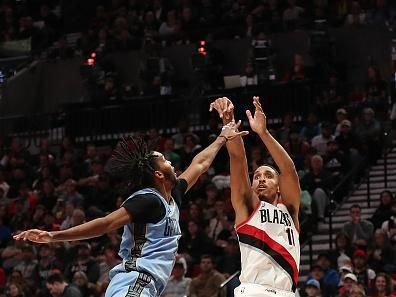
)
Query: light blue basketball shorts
[{"x": 131, "y": 284}]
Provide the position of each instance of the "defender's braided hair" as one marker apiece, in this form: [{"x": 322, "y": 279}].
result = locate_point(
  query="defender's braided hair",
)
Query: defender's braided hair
[{"x": 133, "y": 160}]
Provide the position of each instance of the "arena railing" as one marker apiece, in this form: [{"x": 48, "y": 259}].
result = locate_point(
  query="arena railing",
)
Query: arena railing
[{"x": 342, "y": 191}]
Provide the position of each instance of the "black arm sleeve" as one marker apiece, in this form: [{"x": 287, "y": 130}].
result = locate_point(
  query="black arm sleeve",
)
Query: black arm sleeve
[
  {"x": 179, "y": 190},
  {"x": 145, "y": 208}
]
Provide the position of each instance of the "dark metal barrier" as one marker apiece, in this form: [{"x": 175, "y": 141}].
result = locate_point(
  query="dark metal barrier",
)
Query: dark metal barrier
[
  {"x": 165, "y": 112},
  {"x": 32, "y": 128}
]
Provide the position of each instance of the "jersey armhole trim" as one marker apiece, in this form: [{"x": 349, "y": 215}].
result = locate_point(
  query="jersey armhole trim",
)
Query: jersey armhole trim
[{"x": 249, "y": 217}]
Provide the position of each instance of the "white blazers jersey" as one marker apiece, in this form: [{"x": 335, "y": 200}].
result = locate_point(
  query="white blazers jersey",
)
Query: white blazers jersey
[{"x": 270, "y": 248}]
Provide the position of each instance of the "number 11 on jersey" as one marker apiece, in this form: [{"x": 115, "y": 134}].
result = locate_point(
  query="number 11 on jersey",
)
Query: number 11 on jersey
[{"x": 290, "y": 236}]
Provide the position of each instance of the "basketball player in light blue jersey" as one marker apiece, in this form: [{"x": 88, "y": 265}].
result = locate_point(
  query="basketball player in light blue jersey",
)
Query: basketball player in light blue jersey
[{"x": 150, "y": 216}]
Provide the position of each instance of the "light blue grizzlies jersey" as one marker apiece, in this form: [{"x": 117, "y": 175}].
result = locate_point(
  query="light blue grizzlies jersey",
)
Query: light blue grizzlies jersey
[{"x": 151, "y": 248}]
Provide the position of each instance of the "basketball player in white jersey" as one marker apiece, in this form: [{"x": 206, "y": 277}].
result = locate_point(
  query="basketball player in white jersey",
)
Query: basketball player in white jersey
[{"x": 266, "y": 212}]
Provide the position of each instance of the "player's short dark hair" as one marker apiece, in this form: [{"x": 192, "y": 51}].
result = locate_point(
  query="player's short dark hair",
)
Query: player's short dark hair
[
  {"x": 270, "y": 166},
  {"x": 355, "y": 206},
  {"x": 133, "y": 160}
]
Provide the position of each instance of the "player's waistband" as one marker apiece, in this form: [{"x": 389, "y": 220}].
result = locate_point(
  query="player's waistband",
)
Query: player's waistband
[{"x": 268, "y": 289}]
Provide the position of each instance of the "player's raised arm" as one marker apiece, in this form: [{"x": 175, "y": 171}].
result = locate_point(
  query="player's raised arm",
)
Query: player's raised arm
[
  {"x": 242, "y": 197},
  {"x": 289, "y": 184},
  {"x": 204, "y": 159},
  {"x": 91, "y": 229}
]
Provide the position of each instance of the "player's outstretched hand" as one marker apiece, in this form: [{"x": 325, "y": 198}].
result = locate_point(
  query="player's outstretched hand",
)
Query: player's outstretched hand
[
  {"x": 34, "y": 235},
  {"x": 258, "y": 122},
  {"x": 230, "y": 131},
  {"x": 224, "y": 107}
]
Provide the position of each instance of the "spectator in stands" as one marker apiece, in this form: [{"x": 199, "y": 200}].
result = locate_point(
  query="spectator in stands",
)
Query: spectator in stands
[
  {"x": 349, "y": 143},
  {"x": 15, "y": 290},
  {"x": 311, "y": 128},
  {"x": 47, "y": 196},
  {"x": 375, "y": 90},
  {"x": 342, "y": 254},
  {"x": 208, "y": 282},
  {"x": 389, "y": 226},
  {"x": 66, "y": 213},
  {"x": 57, "y": 286},
  {"x": 227, "y": 232},
  {"x": 344, "y": 270},
  {"x": 229, "y": 261},
  {"x": 90, "y": 156},
  {"x": 194, "y": 243},
  {"x": 298, "y": 71},
  {"x": 69, "y": 194},
  {"x": 80, "y": 280},
  {"x": 249, "y": 75},
  {"x": 283, "y": 133},
  {"x": 47, "y": 263},
  {"x": 48, "y": 22},
  {"x": 211, "y": 195},
  {"x": 312, "y": 288},
  {"x": 381, "y": 14},
  {"x": 170, "y": 154},
  {"x": 356, "y": 291},
  {"x": 364, "y": 274},
  {"x": 178, "y": 285},
  {"x": 24, "y": 202},
  {"x": 383, "y": 286},
  {"x": 171, "y": 27},
  {"x": 188, "y": 25},
  {"x": 369, "y": 132},
  {"x": 350, "y": 280},
  {"x": 28, "y": 266},
  {"x": 190, "y": 148},
  {"x": 384, "y": 210},
  {"x": 319, "y": 142},
  {"x": 19, "y": 216},
  {"x": 16, "y": 277},
  {"x": 292, "y": 14},
  {"x": 49, "y": 222},
  {"x": 355, "y": 16},
  {"x": 5, "y": 232},
  {"x": 101, "y": 196},
  {"x": 381, "y": 253},
  {"x": 11, "y": 255},
  {"x": 318, "y": 181},
  {"x": 317, "y": 273},
  {"x": 216, "y": 223},
  {"x": 182, "y": 132},
  {"x": 359, "y": 231},
  {"x": 78, "y": 217},
  {"x": 195, "y": 215},
  {"x": 335, "y": 161},
  {"x": 297, "y": 148},
  {"x": 331, "y": 277},
  {"x": 4, "y": 186},
  {"x": 84, "y": 262},
  {"x": 255, "y": 159},
  {"x": 341, "y": 115},
  {"x": 331, "y": 98},
  {"x": 110, "y": 259}
]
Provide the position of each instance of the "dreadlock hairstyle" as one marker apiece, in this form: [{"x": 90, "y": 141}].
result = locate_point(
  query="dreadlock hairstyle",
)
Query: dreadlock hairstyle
[{"x": 134, "y": 162}]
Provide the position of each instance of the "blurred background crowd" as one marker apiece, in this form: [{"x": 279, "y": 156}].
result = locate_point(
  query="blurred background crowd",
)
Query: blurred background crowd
[{"x": 54, "y": 186}]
